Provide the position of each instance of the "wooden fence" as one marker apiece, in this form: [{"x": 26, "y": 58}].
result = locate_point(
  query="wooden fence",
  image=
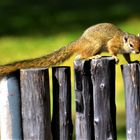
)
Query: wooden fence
[{"x": 25, "y": 102}]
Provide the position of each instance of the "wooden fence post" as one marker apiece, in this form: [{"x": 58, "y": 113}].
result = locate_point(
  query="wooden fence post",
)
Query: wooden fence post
[
  {"x": 84, "y": 101},
  {"x": 131, "y": 77},
  {"x": 35, "y": 104},
  {"x": 10, "y": 111},
  {"x": 103, "y": 79},
  {"x": 61, "y": 122}
]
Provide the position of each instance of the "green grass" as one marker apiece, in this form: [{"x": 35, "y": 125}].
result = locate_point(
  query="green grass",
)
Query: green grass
[{"x": 18, "y": 48}]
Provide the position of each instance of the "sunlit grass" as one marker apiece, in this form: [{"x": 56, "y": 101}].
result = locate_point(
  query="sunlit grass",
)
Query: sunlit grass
[{"x": 18, "y": 48}]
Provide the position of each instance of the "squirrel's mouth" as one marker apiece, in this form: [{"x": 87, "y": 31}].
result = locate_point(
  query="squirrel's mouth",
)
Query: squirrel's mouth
[{"x": 135, "y": 52}]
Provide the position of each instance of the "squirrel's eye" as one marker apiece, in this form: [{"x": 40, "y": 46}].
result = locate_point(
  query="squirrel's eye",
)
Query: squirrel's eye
[{"x": 131, "y": 45}]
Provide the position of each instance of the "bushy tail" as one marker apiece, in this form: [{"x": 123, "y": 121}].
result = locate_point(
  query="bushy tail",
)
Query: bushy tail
[{"x": 42, "y": 62}]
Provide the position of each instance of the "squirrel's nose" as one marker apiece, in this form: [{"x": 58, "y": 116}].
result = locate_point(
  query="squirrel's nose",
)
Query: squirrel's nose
[{"x": 137, "y": 52}]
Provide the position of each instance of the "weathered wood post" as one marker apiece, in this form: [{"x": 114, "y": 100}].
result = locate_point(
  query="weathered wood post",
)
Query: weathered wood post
[
  {"x": 10, "y": 111},
  {"x": 61, "y": 122},
  {"x": 103, "y": 79},
  {"x": 84, "y": 101},
  {"x": 131, "y": 77},
  {"x": 35, "y": 104}
]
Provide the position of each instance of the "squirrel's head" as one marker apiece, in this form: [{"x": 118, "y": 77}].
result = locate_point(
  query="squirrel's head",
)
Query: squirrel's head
[{"x": 132, "y": 42}]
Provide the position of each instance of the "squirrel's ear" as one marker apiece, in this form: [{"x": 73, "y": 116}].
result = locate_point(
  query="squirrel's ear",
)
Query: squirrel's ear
[
  {"x": 138, "y": 35},
  {"x": 125, "y": 38}
]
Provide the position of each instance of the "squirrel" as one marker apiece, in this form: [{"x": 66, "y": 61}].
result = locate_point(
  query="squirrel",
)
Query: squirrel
[{"x": 102, "y": 37}]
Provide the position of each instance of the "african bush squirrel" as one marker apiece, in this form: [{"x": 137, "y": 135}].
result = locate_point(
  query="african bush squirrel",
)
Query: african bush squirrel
[{"x": 103, "y": 37}]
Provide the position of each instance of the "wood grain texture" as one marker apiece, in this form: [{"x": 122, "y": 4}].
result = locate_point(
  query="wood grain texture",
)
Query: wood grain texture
[
  {"x": 35, "y": 104},
  {"x": 131, "y": 77},
  {"x": 103, "y": 80},
  {"x": 62, "y": 127},
  {"x": 84, "y": 101}
]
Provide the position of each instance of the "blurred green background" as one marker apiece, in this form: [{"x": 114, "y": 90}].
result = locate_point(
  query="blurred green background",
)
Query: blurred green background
[{"x": 33, "y": 28}]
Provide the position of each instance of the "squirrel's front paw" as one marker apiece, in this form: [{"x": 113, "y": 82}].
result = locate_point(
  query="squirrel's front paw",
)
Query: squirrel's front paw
[{"x": 116, "y": 59}]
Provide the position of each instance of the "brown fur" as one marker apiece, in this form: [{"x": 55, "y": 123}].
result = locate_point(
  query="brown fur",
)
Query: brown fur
[{"x": 96, "y": 39}]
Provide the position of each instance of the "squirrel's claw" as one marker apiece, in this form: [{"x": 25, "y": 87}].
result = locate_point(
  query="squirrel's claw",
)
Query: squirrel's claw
[{"x": 116, "y": 59}]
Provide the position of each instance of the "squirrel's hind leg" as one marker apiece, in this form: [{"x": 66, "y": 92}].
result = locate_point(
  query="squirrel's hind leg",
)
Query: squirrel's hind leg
[{"x": 90, "y": 52}]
